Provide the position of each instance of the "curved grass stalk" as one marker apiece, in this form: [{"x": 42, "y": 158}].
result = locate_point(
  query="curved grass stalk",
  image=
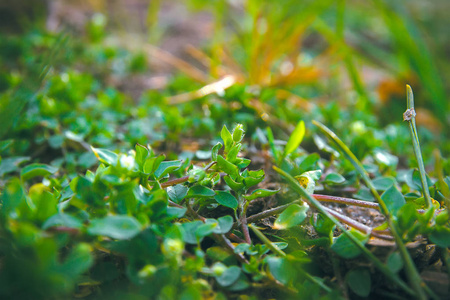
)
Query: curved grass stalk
[
  {"x": 413, "y": 275},
  {"x": 383, "y": 268}
]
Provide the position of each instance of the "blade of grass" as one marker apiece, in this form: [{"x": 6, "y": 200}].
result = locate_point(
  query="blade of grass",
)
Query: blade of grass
[
  {"x": 410, "y": 116},
  {"x": 413, "y": 275},
  {"x": 295, "y": 185}
]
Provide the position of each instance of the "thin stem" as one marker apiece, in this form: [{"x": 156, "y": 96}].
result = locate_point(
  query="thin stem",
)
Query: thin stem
[
  {"x": 410, "y": 116},
  {"x": 313, "y": 202},
  {"x": 279, "y": 252},
  {"x": 348, "y": 201},
  {"x": 413, "y": 275}
]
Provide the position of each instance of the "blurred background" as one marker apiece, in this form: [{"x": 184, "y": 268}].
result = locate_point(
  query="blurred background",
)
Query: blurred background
[{"x": 343, "y": 62}]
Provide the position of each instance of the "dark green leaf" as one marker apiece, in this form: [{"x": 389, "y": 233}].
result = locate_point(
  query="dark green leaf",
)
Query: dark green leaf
[
  {"x": 359, "y": 281},
  {"x": 345, "y": 247},
  {"x": 440, "y": 236},
  {"x": 200, "y": 191},
  {"x": 177, "y": 192},
  {"x": 226, "y": 199},
  {"x": 395, "y": 262}
]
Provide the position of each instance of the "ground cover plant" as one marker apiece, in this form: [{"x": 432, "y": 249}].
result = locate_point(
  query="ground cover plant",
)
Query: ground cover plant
[{"x": 264, "y": 165}]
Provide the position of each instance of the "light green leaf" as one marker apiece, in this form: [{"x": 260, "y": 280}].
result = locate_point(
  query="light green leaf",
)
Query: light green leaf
[
  {"x": 308, "y": 180},
  {"x": 227, "y": 167},
  {"x": 62, "y": 219},
  {"x": 394, "y": 199},
  {"x": 166, "y": 167},
  {"x": 116, "y": 227},
  {"x": 291, "y": 216},
  {"x": 34, "y": 170},
  {"x": 260, "y": 193},
  {"x": 295, "y": 139},
  {"x": 105, "y": 156},
  {"x": 334, "y": 179},
  {"x": 230, "y": 276}
]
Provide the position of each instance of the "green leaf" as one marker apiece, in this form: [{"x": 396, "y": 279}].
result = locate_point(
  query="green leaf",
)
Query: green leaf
[
  {"x": 78, "y": 261},
  {"x": 344, "y": 247},
  {"x": 295, "y": 139},
  {"x": 176, "y": 212},
  {"x": 308, "y": 180},
  {"x": 11, "y": 164},
  {"x": 234, "y": 151},
  {"x": 280, "y": 268},
  {"x": 62, "y": 219},
  {"x": 105, "y": 156},
  {"x": 359, "y": 281},
  {"x": 189, "y": 230},
  {"x": 152, "y": 163},
  {"x": 226, "y": 137},
  {"x": 116, "y": 227},
  {"x": 226, "y": 199},
  {"x": 252, "y": 178},
  {"x": 406, "y": 216},
  {"x": 206, "y": 229},
  {"x": 34, "y": 170},
  {"x": 394, "y": 199},
  {"x": 215, "y": 151},
  {"x": 291, "y": 216},
  {"x": 260, "y": 193},
  {"x": 383, "y": 183},
  {"x": 440, "y": 236},
  {"x": 334, "y": 179},
  {"x": 230, "y": 276},
  {"x": 395, "y": 262},
  {"x": 225, "y": 225},
  {"x": 141, "y": 155},
  {"x": 177, "y": 192},
  {"x": 238, "y": 133},
  {"x": 200, "y": 191},
  {"x": 227, "y": 167},
  {"x": 166, "y": 167},
  {"x": 235, "y": 186}
]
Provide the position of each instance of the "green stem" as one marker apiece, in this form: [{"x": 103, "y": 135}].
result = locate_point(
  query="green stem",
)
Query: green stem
[
  {"x": 413, "y": 275},
  {"x": 385, "y": 270},
  {"x": 279, "y": 252},
  {"x": 410, "y": 116}
]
